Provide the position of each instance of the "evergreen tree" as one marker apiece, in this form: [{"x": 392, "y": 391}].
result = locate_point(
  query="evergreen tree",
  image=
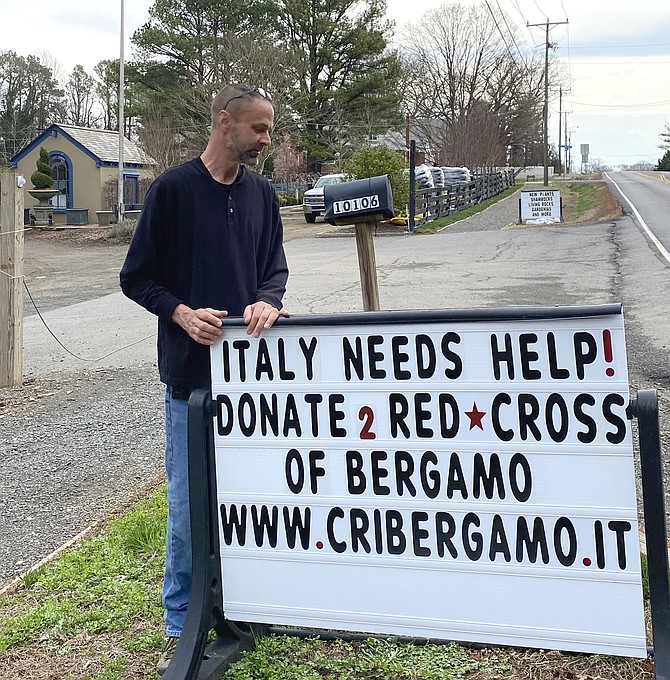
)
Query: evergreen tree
[
  {"x": 347, "y": 77},
  {"x": 664, "y": 163}
]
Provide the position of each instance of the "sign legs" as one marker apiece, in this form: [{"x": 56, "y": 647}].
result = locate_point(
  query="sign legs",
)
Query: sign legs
[
  {"x": 645, "y": 408},
  {"x": 194, "y": 659}
]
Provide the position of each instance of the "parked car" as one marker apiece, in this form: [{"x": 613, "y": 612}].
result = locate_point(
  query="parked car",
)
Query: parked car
[{"x": 313, "y": 203}]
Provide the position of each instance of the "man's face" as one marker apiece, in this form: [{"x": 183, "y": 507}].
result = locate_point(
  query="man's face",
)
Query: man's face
[{"x": 249, "y": 131}]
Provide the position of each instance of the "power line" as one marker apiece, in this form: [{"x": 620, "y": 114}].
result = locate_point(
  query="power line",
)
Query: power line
[
  {"x": 545, "y": 140},
  {"x": 617, "y": 63},
  {"x": 511, "y": 35},
  {"x": 541, "y": 10},
  {"x": 495, "y": 21},
  {"x": 525, "y": 22},
  {"x": 622, "y": 106},
  {"x": 602, "y": 47}
]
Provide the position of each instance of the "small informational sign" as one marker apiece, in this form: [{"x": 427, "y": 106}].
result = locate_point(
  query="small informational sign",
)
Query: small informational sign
[
  {"x": 456, "y": 478},
  {"x": 355, "y": 204},
  {"x": 540, "y": 206}
]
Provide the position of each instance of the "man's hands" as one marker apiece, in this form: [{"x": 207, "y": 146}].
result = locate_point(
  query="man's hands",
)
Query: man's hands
[
  {"x": 205, "y": 325},
  {"x": 202, "y": 325},
  {"x": 260, "y": 316}
]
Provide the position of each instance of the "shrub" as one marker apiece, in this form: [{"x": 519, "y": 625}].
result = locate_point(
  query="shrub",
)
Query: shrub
[
  {"x": 380, "y": 160},
  {"x": 41, "y": 178},
  {"x": 287, "y": 199},
  {"x": 123, "y": 230}
]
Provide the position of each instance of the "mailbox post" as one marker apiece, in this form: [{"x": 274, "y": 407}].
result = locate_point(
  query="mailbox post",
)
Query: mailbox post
[{"x": 363, "y": 203}]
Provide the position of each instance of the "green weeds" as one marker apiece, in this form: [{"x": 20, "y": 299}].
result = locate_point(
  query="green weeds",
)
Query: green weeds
[{"x": 286, "y": 658}]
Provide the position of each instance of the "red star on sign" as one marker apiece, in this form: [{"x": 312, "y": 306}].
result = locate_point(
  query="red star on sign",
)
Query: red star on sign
[{"x": 475, "y": 417}]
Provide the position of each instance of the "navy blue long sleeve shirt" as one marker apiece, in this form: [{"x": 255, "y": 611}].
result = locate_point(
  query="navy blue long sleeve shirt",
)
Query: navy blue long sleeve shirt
[{"x": 203, "y": 244}]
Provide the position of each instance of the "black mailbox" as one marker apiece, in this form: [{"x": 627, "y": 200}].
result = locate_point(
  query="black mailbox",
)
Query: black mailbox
[{"x": 362, "y": 200}]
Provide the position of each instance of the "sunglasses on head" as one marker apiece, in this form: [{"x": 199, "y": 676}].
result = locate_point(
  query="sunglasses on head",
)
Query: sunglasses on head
[{"x": 250, "y": 91}]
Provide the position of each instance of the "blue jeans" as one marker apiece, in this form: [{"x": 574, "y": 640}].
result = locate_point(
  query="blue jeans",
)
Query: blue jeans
[{"x": 178, "y": 559}]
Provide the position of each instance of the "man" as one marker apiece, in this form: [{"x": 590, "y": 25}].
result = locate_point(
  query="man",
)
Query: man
[{"x": 208, "y": 245}]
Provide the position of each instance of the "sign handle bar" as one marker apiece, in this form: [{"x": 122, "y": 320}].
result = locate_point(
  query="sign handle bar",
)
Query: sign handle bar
[{"x": 645, "y": 408}]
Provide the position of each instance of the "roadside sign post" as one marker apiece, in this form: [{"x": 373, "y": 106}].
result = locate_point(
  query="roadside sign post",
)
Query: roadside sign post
[
  {"x": 362, "y": 203},
  {"x": 194, "y": 658},
  {"x": 452, "y": 457},
  {"x": 367, "y": 264}
]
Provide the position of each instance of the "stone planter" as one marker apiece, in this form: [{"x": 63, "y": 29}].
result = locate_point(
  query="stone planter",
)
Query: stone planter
[
  {"x": 77, "y": 216},
  {"x": 43, "y": 210},
  {"x": 104, "y": 217},
  {"x": 43, "y": 196}
]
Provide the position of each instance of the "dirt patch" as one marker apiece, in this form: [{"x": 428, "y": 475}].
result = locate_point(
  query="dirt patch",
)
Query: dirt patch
[
  {"x": 594, "y": 206},
  {"x": 82, "y": 657}
]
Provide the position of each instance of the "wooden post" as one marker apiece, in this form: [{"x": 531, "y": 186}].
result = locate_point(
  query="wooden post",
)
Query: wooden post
[
  {"x": 11, "y": 282},
  {"x": 367, "y": 265}
]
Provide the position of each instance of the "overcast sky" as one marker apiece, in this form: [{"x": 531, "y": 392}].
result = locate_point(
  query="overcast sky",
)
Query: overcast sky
[{"x": 617, "y": 54}]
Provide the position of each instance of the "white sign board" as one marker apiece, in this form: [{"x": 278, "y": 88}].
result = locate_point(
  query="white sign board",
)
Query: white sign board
[
  {"x": 464, "y": 480},
  {"x": 540, "y": 206}
]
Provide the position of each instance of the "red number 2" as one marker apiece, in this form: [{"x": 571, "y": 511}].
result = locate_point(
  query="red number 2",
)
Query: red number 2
[{"x": 367, "y": 415}]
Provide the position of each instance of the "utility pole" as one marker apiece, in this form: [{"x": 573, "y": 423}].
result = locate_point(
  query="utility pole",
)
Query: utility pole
[
  {"x": 121, "y": 121},
  {"x": 566, "y": 170},
  {"x": 560, "y": 116},
  {"x": 547, "y": 45},
  {"x": 408, "y": 131},
  {"x": 570, "y": 152}
]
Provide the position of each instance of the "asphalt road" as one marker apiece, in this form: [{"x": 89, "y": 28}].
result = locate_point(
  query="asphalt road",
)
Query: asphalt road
[
  {"x": 649, "y": 192},
  {"x": 65, "y": 267},
  {"x": 643, "y": 237}
]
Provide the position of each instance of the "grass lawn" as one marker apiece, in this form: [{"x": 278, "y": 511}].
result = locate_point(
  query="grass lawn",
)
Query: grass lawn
[{"x": 436, "y": 225}]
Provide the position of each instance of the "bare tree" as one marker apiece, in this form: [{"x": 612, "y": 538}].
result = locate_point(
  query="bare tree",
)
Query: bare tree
[
  {"x": 80, "y": 98},
  {"x": 599, "y": 165},
  {"x": 474, "y": 139},
  {"x": 107, "y": 91},
  {"x": 460, "y": 60},
  {"x": 30, "y": 100},
  {"x": 160, "y": 140},
  {"x": 175, "y": 122}
]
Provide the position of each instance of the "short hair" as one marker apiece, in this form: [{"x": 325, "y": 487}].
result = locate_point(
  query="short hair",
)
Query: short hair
[{"x": 233, "y": 91}]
